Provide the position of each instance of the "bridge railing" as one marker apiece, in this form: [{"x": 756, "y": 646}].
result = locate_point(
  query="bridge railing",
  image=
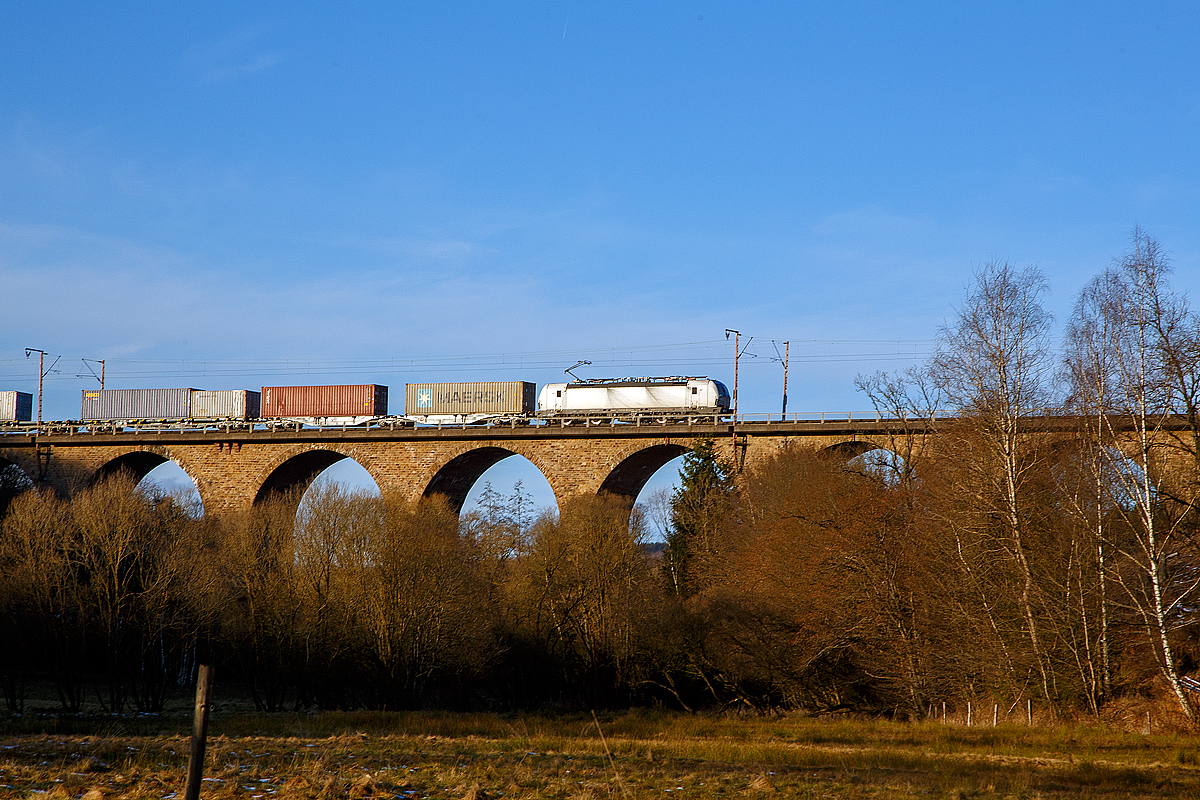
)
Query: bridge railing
[
  {"x": 834, "y": 416},
  {"x": 116, "y": 427},
  {"x": 85, "y": 428}
]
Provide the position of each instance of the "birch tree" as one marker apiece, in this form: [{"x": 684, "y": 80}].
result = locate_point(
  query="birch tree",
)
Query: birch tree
[
  {"x": 1090, "y": 368},
  {"x": 993, "y": 362},
  {"x": 1157, "y": 571}
]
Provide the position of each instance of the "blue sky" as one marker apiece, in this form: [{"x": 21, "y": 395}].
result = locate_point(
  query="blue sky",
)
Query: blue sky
[{"x": 232, "y": 195}]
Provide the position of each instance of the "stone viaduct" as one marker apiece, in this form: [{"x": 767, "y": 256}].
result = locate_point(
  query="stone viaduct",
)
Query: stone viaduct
[{"x": 234, "y": 469}]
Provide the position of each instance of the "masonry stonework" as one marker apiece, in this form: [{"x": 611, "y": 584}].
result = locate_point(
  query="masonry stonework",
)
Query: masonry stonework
[{"x": 233, "y": 471}]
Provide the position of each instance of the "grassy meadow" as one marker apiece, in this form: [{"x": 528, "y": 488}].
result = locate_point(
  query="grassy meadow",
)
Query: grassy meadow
[{"x": 641, "y": 754}]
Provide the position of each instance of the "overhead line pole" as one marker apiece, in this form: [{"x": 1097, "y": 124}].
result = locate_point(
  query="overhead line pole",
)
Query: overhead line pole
[
  {"x": 37, "y": 449},
  {"x": 737, "y": 354},
  {"x": 99, "y": 377},
  {"x": 41, "y": 375},
  {"x": 786, "y": 347},
  {"x": 737, "y": 338}
]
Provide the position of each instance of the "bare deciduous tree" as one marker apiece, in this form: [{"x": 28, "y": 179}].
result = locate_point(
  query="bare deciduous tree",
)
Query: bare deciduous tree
[
  {"x": 1147, "y": 367},
  {"x": 913, "y": 401},
  {"x": 585, "y": 589},
  {"x": 425, "y": 603},
  {"x": 1090, "y": 367},
  {"x": 257, "y": 608},
  {"x": 43, "y": 598},
  {"x": 992, "y": 362}
]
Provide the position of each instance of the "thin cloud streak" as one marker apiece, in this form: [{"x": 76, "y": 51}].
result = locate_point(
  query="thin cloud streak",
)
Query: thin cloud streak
[{"x": 229, "y": 58}]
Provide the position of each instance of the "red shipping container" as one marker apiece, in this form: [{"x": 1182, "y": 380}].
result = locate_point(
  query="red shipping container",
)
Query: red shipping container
[{"x": 364, "y": 400}]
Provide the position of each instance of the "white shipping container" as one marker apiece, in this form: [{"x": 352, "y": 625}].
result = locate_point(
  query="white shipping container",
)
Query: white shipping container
[
  {"x": 119, "y": 404},
  {"x": 226, "y": 404},
  {"x": 16, "y": 407}
]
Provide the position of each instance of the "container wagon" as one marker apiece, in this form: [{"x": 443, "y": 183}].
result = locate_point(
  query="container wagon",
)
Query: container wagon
[
  {"x": 16, "y": 407},
  {"x": 133, "y": 404},
  {"x": 469, "y": 402},
  {"x": 625, "y": 397},
  {"x": 239, "y": 404},
  {"x": 350, "y": 405}
]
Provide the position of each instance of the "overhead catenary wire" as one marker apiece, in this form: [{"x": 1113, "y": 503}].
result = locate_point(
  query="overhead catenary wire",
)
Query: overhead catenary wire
[
  {"x": 670, "y": 365},
  {"x": 671, "y": 357},
  {"x": 705, "y": 344}
]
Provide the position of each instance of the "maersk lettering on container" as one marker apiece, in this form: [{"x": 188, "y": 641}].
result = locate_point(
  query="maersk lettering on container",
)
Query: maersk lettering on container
[{"x": 474, "y": 398}]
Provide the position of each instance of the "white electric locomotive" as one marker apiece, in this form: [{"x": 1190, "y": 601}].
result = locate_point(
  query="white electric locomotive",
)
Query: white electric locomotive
[{"x": 628, "y": 397}]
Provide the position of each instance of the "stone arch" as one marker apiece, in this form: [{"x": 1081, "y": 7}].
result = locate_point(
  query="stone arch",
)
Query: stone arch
[
  {"x": 636, "y": 465},
  {"x": 455, "y": 476},
  {"x": 1120, "y": 465},
  {"x": 295, "y": 470},
  {"x": 14, "y": 479},
  {"x": 137, "y": 463},
  {"x": 1164, "y": 456},
  {"x": 852, "y": 448},
  {"x": 140, "y": 461},
  {"x": 887, "y": 464},
  {"x": 844, "y": 451},
  {"x": 22, "y": 459}
]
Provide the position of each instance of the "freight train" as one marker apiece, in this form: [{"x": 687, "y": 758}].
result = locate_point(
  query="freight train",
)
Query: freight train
[{"x": 425, "y": 403}]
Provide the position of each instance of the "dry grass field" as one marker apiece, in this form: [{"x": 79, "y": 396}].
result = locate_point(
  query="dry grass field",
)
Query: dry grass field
[{"x": 641, "y": 754}]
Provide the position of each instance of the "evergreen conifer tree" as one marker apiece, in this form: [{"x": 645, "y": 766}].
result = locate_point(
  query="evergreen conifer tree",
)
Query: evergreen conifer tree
[{"x": 696, "y": 511}]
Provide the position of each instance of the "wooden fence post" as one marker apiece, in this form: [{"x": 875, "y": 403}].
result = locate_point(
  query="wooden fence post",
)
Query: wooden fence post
[{"x": 204, "y": 677}]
